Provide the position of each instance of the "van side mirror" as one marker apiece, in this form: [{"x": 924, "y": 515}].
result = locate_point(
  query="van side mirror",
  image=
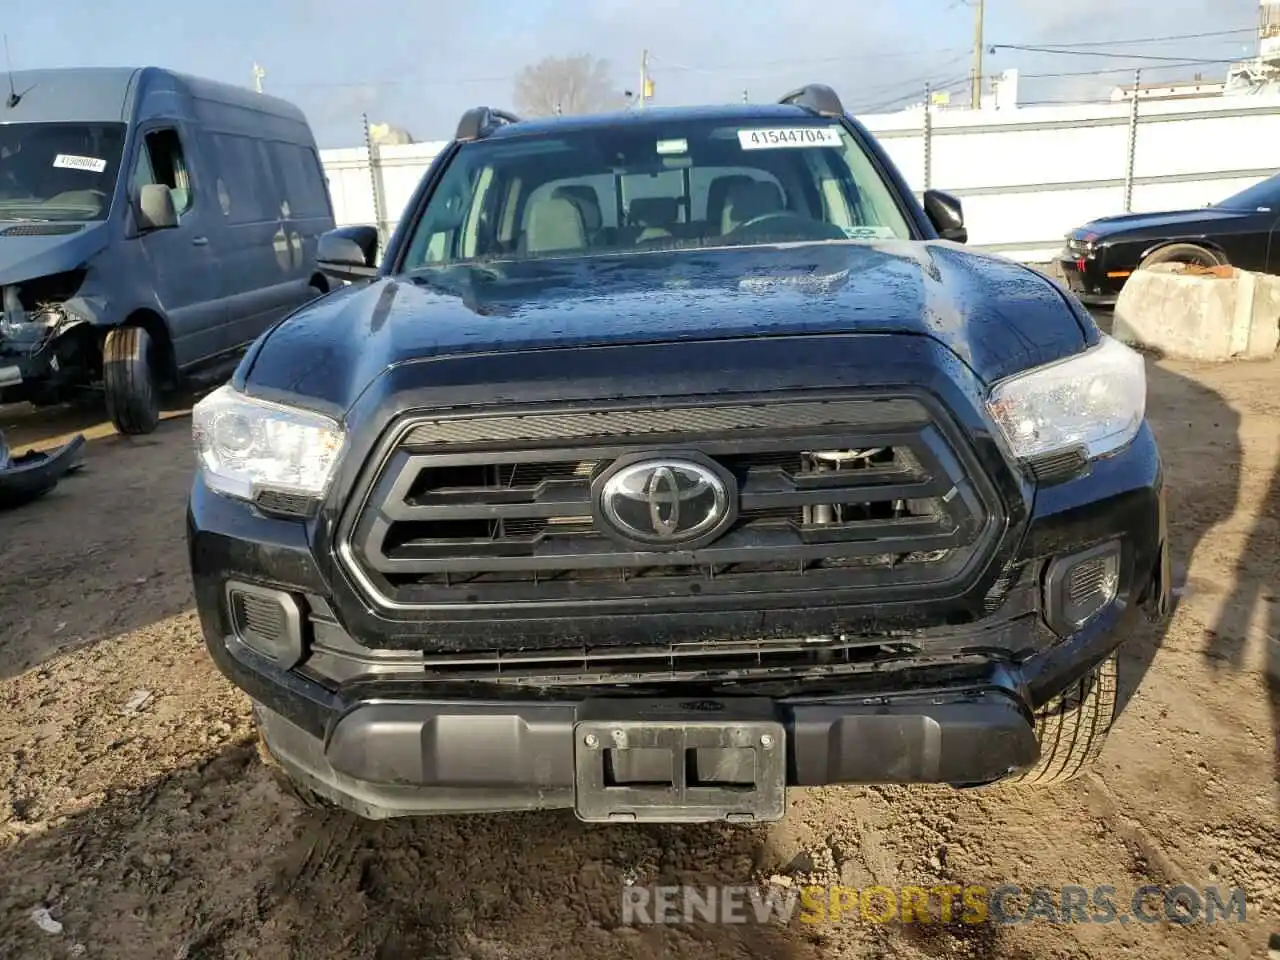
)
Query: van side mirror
[
  {"x": 348, "y": 253},
  {"x": 155, "y": 208},
  {"x": 947, "y": 215}
]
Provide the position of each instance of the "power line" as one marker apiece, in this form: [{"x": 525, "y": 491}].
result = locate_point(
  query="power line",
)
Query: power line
[
  {"x": 956, "y": 84},
  {"x": 916, "y": 82},
  {"x": 1178, "y": 36},
  {"x": 913, "y": 54},
  {"x": 1095, "y": 53}
]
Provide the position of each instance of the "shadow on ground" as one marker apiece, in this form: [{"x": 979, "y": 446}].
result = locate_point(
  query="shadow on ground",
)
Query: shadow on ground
[
  {"x": 1199, "y": 437},
  {"x": 211, "y": 862},
  {"x": 1255, "y": 600},
  {"x": 1202, "y": 484}
]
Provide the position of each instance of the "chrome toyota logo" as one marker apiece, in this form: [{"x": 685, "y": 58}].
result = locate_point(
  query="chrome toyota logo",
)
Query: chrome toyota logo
[{"x": 665, "y": 502}]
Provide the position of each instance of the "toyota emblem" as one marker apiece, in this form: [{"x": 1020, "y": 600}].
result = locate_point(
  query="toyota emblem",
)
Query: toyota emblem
[{"x": 676, "y": 502}]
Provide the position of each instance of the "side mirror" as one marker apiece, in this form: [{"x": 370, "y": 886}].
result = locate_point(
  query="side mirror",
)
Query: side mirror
[
  {"x": 947, "y": 215},
  {"x": 348, "y": 253},
  {"x": 155, "y": 208}
]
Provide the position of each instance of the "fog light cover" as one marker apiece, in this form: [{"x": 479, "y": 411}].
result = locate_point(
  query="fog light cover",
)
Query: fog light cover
[
  {"x": 1079, "y": 587},
  {"x": 268, "y": 622}
]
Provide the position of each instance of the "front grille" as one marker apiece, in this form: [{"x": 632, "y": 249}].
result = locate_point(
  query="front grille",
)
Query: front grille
[{"x": 471, "y": 511}]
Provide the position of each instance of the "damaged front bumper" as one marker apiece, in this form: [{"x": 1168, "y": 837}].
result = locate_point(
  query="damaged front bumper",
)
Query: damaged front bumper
[
  {"x": 36, "y": 472},
  {"x": 43, "y": 350}
]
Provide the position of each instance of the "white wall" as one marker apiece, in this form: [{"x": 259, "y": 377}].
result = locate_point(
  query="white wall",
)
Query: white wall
[
  {"x": 1026, "y": 176},
  {"x": 351, "y": 186},
  {"x": 1030, "y": 175}
]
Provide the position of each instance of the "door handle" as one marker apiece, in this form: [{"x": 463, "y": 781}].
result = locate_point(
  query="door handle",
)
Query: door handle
[{"x": 199, "y": 241}]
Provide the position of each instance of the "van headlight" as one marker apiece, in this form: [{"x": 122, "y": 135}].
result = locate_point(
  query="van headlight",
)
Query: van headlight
[
  {"x": 247, "y": 446},
  {"x": 1095, "y": 401}
]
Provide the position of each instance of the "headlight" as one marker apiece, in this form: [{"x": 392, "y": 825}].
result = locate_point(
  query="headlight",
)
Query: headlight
[
  {"x": 1096, "y": 400},
  {"x": 246, "y": 446}
]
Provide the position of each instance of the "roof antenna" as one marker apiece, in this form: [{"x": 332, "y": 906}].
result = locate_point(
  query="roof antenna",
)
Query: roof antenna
[{"x": 14, "y": 97}]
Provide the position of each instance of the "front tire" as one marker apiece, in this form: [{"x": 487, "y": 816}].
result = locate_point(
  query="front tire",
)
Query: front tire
[
  {"x": 1072, "y": 728},
  {"x": 1189, "y": 253},
  {"x": 129, "y": 378}
]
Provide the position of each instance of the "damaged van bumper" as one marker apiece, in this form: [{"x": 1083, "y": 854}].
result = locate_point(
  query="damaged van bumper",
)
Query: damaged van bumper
[
  {"x": 47, "y": 350},
  {"x": 36, "y": 472}
]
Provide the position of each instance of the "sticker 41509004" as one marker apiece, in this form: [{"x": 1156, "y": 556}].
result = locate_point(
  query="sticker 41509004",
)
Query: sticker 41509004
[
  {"x": 775, "y": 138},
  {"x": 69, "y": 161}
]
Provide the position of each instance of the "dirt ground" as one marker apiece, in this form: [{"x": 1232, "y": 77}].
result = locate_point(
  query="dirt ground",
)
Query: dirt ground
[{"x": 151, "y": 830}]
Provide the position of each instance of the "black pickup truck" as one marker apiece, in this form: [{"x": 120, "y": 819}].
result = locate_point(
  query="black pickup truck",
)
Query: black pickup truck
[{"x": 665, "y": 460}]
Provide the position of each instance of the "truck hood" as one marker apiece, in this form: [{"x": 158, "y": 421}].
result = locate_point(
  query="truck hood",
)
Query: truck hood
[
  {"x": 997, "y": 316},
  {"x": 25, "y": 257}
]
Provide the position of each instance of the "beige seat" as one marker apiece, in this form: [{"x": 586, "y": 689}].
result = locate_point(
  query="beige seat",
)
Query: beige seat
[
  {"x": 746, "y": 201},
  {"x": 653, "y": 217},
  {"x": 718, "y": 195},
  {"x": 587, "y": 202},
  {"x": 554, "y": 225}
]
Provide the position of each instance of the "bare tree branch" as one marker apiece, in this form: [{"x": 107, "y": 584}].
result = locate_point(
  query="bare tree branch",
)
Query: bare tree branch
[{"x": 569, "y": 85}]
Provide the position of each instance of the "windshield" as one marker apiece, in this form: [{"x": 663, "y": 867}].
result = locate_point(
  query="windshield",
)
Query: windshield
[
  {"x": 58, "y": 171},
  {"x": 1261, "y": 196},
  {"x": 633, "y": 187}
]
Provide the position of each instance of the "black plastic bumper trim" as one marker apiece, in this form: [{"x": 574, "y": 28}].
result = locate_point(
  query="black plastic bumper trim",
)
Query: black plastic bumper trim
[{"x": 388, "y": 758}]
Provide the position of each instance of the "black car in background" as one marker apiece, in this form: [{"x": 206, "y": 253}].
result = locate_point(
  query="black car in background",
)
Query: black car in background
[{"x": 1240, "y": 230}]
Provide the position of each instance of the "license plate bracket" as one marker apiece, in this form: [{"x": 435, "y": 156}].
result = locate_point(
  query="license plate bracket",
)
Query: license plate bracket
[{"x": 680, "y": 762}]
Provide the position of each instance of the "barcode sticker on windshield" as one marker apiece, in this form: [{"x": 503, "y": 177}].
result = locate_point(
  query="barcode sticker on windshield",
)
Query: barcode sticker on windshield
[
  {"x": 870, "y": 233},
  {"x": 776, "y": 138},
  {"x": 69, "y": 161}
]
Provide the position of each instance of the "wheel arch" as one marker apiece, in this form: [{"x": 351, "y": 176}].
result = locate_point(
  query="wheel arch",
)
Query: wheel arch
[{"x": 1203, "y": 242}]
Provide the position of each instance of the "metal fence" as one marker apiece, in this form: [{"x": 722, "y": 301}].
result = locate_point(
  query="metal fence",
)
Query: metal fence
[{"x": 1029, "y": 175}]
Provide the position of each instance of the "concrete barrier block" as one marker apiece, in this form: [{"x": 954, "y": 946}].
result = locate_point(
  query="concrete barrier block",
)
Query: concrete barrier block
[
  {"x": 1264, "y": 328},
  {"x": 1217, "y": 314}
]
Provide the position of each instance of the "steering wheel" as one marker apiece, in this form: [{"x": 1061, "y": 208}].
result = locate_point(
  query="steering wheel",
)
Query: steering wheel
[{"x": 818, "y": 230}]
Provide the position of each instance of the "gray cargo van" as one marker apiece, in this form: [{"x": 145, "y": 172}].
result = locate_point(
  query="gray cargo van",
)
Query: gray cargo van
[{"x": 150, "y": 223}]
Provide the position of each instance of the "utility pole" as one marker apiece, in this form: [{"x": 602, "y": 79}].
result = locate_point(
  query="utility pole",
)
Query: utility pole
[
  {"x": 644, "y": 79},
  {"x": 1132, "y": 158},
  {"x": 258, "y": 74},
  {"x": 978, "y": 18},
  {"x": 928, "y": 135},
  {"x": 744, "y": 95},
  {"x": 375, "y": 180}
]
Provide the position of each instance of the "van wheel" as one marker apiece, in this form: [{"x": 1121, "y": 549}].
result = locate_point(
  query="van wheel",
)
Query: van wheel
[
  {"x": 128, "y": 375},
  {"x": 1072, "y": 728}
]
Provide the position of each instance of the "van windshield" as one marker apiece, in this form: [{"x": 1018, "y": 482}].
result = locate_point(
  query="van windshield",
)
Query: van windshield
[
  {"x": 654, "y": 185},
  {"x": 59, "y": 171}
]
